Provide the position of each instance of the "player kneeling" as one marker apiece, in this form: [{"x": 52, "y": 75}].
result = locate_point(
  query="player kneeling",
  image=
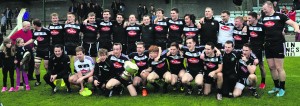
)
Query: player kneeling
[
  {"x": 102, "y": 70},
  {"x": 124, "y": 78},
  {"x": 84, "y": 66},
  {"x": 246, "y": 73}
]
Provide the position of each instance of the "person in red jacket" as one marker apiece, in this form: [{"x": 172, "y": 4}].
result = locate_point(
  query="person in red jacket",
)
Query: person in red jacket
[
  {"x": 292, "y": 14},
  {"x": 26, "y": 34}
]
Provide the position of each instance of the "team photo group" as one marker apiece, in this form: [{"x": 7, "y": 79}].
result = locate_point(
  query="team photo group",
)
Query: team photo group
[{"x": 156, "y": 55}]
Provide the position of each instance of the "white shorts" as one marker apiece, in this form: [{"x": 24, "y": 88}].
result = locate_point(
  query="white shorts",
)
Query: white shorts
[{"x": 242, "y": 83}]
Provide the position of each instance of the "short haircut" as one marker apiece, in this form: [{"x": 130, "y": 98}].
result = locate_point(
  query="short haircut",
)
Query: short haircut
[
  {"x": 247, "y": 45},
  {"x": 37, "y": 22},
  {"x": 229, "y": 42},
  {"x": 269, "y": 3},
  {"x": 174, "y": 44},
  {"x": 18, "y": 40},
  {"x": 240, "y": 18},
  {"x": 212, "y": 45},
  {"x": 175, "y": 9},
  {"x": 120, "y": 14},
  {"x": 226, "y": 11},
  {"x": 188, "y": 38},
  {"x": 253, "y": 14},
  {"x": 192, "y": 17},
  {"x": 70, "y": 13},
  {"x": 210, "y": 8},
  {"x": 91, "y": 14},
  {"x": 140, "y": 43},
  {"x": 25, "y": 23},
  {"x": 118, "y": 44},
  {"x": 106, "y": 10},
  {"x": 153, "y": 48},
  {"x": 102, "y": 51},
  {"x": 80, "y": 49},
  {"x": 160, "y": 9},
  {"x": 59, "y": 46},
  {"x": 54, "y": 15},
  {"x": 146, "y": 16}
]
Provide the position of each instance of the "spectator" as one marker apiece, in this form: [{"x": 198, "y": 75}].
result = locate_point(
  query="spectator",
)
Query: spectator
[
  {"x": 238, "y": 4},
  {"x": 17, "y": 11},
  {"x": 122, "y": 6},
  {"x": 140, "y": 12},
  {"x": 8, "y": 14},
  {"x": 114, "y": 7},
  {"x": 276, "y": 7},
  {"x": 292, "y": 14},
  {"x": 3, "y": 25},
  {"x": 98, "y": 11},
  {"x": 152, "y": 13},
  {"x": 81, "y": 12},
  {"x": 284, "y": 10},
  {"x": 73, "y": 8},
  {"x": 145, "y": 10}
]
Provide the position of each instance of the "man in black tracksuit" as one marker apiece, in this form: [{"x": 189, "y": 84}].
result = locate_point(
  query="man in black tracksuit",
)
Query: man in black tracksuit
[
  {"x": 209, "y": 28},
  {"x": 59, "y": 67}
]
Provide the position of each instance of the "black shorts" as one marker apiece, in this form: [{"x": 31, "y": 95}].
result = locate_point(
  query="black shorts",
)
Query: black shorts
[
  {"x": 123, "y": 81},
  {"x": 208, "y": 79},
  {"x": 105, "y": 44},
  {"x": 175, "y": 71},
  {"x": 194, "y": 73},
  {"x": 90, "y": 49},
  {"x": 43, "y": 54},
  {"x": 70, "y": 50},
  {"x": 259, "y": 53},
  {"x": 275, "y": 50},
  {"x": 160, "y": 73}
]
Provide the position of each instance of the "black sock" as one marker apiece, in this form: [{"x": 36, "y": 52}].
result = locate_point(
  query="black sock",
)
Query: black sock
[
  {"x": 38, "y": 78},
  {"x": 219, "y": 91},
  {"x": 199, "y": 87},
  {"x": 189, "y": 86},
  {"x": 155, "y": 85},
  {"x": 263, "y": 80},
  {"x": 282, "y": 85},
  {"x": 276, "y": 83}
]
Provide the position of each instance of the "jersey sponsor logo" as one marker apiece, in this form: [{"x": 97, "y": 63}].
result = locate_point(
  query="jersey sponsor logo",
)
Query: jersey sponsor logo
[
  {"x": 117, "y": 65},
  {"x": 175, "y": 61},
  {"x": 269, "y": 24},
  {"x": 253, "y": 34},
  {"x": 193, "y": 60},
  {"x": 132, "y": 33},
  {"x": 40, "y": 38},
  {"x": 174, "y": 27},
  {"x": 71, "y": 31},
  {"x": 225, "y": 28},
  {"x": 141, "y": 63},
  {"x": 106, "y": 23},
  {"x": 190, "y": 29},
  {"x": 161, "y": 65},
  {"x": 140, "y": 58},
  {"x": 190, "y": 34},
  {"x": 90, "y": 28},
  {"x": 54, "y": 32},
  {"x": 239, "y": 32},
  {"x": 159, "y": 28},
  {"x": 237, "y": 37},
  {"x": 197, "y": 54},
  {"x": 105, "y": 28},
  {"x": 210, "y": 65},
  {"x": 133, "y": 28}
]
